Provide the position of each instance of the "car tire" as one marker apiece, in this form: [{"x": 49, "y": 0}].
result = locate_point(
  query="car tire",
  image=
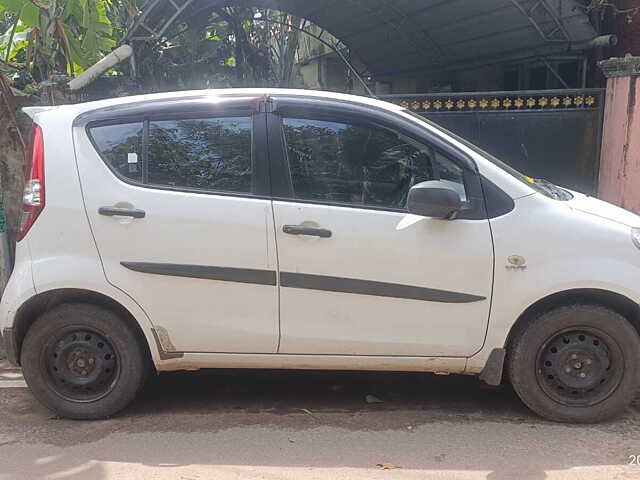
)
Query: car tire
[
  {"x": 83, "y": 362},
  {"x": 576, "y": 363}
]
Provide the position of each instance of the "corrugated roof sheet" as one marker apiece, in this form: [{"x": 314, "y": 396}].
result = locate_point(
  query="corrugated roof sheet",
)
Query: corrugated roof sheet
[{"x": 395, "y": 36}]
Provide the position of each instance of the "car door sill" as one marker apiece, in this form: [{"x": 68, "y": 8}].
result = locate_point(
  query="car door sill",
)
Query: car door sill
[{"x": 197, "y": 361}]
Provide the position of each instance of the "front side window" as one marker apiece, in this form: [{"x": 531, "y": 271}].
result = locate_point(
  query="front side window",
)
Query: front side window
[
  {"x": 361, "y": 164},
  {"x": 540, "y": 185},
  {"x": 212, "y": 154}
]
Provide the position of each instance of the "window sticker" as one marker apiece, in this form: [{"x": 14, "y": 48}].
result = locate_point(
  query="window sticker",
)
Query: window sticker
[{"x": 132, "y": 161}]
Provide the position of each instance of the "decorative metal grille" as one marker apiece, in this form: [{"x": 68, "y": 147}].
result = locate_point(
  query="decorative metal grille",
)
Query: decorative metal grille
[{"x": 511, "y": 101}]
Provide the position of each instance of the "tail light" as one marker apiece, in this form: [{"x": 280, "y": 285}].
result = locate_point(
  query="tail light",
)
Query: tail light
[{"x": 33, "y": 196}]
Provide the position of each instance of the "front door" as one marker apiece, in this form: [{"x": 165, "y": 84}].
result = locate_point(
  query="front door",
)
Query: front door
[
  {"x": 359, "y": 275},
  {"x": 176, "y": 202}
]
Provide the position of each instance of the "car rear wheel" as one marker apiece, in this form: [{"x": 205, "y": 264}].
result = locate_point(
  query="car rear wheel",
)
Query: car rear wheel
[
  {"x": 82, "y": 361},
  {"x": 576, "y": 363}
]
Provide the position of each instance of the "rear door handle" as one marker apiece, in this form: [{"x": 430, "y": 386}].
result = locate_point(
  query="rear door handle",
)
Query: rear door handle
[
  {"x": 121, "y": 212},
  {"x": 307, "y": 231}
]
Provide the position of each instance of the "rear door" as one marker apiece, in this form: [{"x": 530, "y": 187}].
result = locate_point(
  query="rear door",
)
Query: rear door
[
  {"x": 176, "y": 194},
  {"x": 359, "y": 275}
]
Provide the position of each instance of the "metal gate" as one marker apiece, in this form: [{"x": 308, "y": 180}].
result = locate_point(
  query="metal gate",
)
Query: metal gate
[{"x": 551, "y": 134}]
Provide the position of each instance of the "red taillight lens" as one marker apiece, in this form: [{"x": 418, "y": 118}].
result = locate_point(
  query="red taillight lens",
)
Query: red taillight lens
[{"x": 33, "y": 196}]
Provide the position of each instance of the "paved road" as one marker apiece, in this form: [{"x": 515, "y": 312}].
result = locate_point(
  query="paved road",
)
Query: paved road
[{"x": 310, "y": 425}]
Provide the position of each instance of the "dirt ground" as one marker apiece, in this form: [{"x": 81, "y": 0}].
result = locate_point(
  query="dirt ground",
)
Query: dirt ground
[{"x": 310, "y": 425}]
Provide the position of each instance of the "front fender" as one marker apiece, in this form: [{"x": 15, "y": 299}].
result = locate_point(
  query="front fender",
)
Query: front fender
[{"x": 563, "y": 250}]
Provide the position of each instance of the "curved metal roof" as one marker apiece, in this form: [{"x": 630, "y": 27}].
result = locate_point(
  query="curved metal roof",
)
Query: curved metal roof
[{"x": 396, "y": 36}]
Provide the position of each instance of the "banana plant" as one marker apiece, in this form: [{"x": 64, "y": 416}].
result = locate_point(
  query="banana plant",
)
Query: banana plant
[
  {"x": 87, "y": 29},
  {"x": 59, "y": 36}
]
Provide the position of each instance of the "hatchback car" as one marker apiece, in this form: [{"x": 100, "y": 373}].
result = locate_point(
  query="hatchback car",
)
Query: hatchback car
[{"x": 290, "y": 229}]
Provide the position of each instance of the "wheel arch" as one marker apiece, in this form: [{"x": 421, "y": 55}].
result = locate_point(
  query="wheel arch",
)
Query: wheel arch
[
  {"x": 616, "y": 301},
  {"x": 29, "y": 312}
]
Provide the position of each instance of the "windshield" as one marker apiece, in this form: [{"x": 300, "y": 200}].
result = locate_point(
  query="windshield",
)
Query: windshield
[{"x": 538, "y": 184}]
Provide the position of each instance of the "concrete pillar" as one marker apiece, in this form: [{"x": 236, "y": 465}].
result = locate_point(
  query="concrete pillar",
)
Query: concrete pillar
[{"x": 619, "y": 180}]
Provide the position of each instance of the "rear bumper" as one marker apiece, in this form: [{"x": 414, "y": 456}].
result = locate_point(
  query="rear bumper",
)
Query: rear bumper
[{"x": 10, "y": 345}]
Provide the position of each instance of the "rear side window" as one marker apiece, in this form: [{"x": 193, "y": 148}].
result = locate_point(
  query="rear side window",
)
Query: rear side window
[
  {"x": 212, "y": 154},
  {"x": 121, "y": 147}
]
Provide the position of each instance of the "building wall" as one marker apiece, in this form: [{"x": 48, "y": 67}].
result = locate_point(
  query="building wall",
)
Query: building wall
[{"x": 619, "y": 166}]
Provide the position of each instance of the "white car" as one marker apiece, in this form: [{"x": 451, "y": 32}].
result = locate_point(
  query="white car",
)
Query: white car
[{"x": 308, "y": 230}]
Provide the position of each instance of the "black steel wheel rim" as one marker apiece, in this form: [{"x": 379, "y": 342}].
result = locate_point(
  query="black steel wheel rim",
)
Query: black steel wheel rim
[
  {"x": 82, "y": 365},
  {"x": 579, "y": 367}
]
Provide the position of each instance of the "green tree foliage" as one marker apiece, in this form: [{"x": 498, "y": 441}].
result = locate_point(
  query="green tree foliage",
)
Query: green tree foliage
[
  {"x": 216, "y": 47},
  {"x": 230, "y": 46},
  {"x": 47, "y": 37},
  {"x": 211, "y": 153},
  {"x": 207, "y": 154}
]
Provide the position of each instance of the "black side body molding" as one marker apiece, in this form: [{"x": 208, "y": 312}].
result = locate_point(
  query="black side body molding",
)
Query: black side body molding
[
  {"x": 225, "y": 274},
  {"x": 304, "y": 281},
  {"x": 378, "y": 289}
]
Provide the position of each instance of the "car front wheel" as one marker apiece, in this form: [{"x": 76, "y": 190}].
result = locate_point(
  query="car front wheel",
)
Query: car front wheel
[
  {"x": 576, "y": 363},
  {"x": 82, "y": 361}
]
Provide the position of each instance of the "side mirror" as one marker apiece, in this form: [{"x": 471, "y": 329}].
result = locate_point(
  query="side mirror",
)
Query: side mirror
[{"x": 433, "y": 199}]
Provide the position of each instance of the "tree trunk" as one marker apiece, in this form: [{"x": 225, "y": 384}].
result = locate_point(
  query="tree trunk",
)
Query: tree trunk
[{"x": 12, "y": 160}]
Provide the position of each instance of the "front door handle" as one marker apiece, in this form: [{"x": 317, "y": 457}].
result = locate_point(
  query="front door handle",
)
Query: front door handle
[
  {"x": 121, "y": 212},
  {"x": 307, "y": 231}
]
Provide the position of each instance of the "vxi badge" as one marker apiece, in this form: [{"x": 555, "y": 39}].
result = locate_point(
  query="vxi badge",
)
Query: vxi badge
[{"x": 516, "y": 262}]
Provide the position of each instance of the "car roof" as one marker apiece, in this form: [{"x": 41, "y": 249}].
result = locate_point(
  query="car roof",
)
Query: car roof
[
  {"x": 79, "y": 108},
  {"x": 73, "y": 111}
]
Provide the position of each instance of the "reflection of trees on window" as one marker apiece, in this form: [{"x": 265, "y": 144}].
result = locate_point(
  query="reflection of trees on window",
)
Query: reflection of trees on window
[
  {"x": 117, "y": 143},
  {"x": 360, "y": 164},
  {"x": 212, "y": 154}
]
